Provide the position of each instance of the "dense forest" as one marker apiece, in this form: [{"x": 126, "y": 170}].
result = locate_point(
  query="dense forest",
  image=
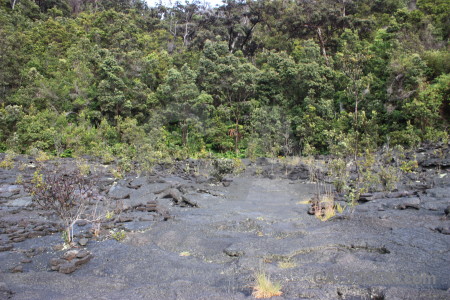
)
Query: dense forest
[{"x": 120, "y": 80}]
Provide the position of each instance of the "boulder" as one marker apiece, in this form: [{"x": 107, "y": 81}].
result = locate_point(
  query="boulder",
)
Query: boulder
[{"x": 117, "y": 192}]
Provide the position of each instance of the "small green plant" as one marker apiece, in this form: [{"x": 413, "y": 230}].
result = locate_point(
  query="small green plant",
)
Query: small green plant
[
  {"x": 38, "y": 183},
  {"x": 65, "y": 237},
  {"x": 107, "y": 157},
  {"x": 117, "y": 173},
  {"x": 389, "y": 177},
  {"x": 66, "y": 153},
  {"x": 185, "y": 253},
  {"x": 258, "y": 171},
  {"x": 8, "y": 161},
  {"x": 22, "y": 166},
  {"x": 312, "y": 169},
  {"x": 19, "y": 179},
  {"x": 409, "y": 166},
  {"x": 238, "y": 166},
  {"x": 84, "y": 167},
  {"x": 42, "y": 156},
  {"x": 109, "y": 215},
  {"x": 353, "y": 194},
  {"x": 264, "y": 287},
  {"x": 118, "y": 235},
  {"x": 187, "y": 168},
  {"x": 338, "y": 171},
  {"x": 222, "y": 167},
  {"x": 125, "y": 164},
  {"x": 339, "y": 208}
]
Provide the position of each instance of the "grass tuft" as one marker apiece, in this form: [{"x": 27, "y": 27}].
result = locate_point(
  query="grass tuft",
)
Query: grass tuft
[
  {"x": 286, "y": 264},
  {"x": 264, "y": 287}
]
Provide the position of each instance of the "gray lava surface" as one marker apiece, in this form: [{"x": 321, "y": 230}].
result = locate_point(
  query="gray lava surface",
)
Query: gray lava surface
[{"x": 392, "y": 247}]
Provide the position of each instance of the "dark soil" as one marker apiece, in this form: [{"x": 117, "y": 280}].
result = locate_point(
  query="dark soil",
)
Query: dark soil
[{"x": 190, "y": 238}]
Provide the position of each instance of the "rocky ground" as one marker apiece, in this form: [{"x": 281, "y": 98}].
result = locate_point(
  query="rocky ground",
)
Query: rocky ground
[{"x": 186, "y": 237}]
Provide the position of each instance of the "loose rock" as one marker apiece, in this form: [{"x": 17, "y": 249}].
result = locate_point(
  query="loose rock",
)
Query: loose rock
[
  {"x": 17, "y": 269},
  {"x": 67, "y": 268},
  {"x": 6, "y": 248},
  {"x": 83, "y": 242}
]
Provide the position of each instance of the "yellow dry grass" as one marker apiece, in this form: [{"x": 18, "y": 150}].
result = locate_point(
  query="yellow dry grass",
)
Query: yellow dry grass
[
  {"x": 264, "y": 287},
  {"x": 286, "y": 264}
]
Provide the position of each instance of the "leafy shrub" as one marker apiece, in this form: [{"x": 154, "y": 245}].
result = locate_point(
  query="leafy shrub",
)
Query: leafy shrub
[
  {"x": 83, "y": 167},
  {"x": 8, "y": 161},
  {"x": 409, "y": 137},
  {"x": 409, "y": 166},
  {"x": 39, "y": 130},
  {"x": 42, "y": 156},
  {"x": 389, "y": 177},
  {"x": 222, "y": 167},
  {"x": 67, "y": 153},
  {"x": 338, "y": 171}
]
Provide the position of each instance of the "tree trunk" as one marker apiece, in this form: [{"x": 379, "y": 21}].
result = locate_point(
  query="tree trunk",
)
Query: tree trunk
[
  {"x": 343, "y": 8},
  {"x": 412, "y": 5},
  {"x": 184, "y": 134},
  {"x": 322, "y": 44},
  {"x": 356, "y": 137},
  {"x": 185, "y": 36},
  {"x": 236, "y": 137},
  {"x": 13, "y": 4}
]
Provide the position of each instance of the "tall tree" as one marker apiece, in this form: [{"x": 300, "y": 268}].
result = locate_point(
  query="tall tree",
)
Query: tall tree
[
  {"x": 184, "y": 104},
  {"x": 111, "y": 88},
  {"x": 231, "y": 80}
]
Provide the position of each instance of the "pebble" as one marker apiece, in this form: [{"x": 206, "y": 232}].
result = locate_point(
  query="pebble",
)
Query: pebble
[
  {"x": 57, "y": 261},
  {"x": 67, "y": 268},
  {"x": 18, "y": 239},
  {"x": 71, "y": 254},
  {"x": 83, "y": 242},
  {"x": 58, "y": 247},
  {"x": 82, "y": 254},
  {"x": 17, "y": 269}
]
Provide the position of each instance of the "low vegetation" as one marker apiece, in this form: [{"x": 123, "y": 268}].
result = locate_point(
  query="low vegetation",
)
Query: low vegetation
[
  {"x": 344, "y": 77},
  {"x": 264, "y": 287},
  {"x": 70, "y": 195},
  {"x": 118, "y": 235},
  {"x": 286, "y": 264}
]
